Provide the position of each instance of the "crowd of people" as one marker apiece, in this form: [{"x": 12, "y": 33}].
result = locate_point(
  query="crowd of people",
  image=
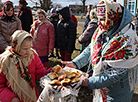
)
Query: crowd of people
[{"x": 109, "y": 45}]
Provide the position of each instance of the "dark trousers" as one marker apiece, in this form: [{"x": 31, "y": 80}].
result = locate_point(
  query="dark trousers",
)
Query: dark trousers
[{"x": 65, "y": 56}]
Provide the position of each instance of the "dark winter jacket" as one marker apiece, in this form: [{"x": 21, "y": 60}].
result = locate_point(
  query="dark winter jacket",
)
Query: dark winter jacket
[
  {"x": 66, "y": 30},
  {"x": 25, "y": 15},
  {"x": 86, "y": 36},
  {"x": 54, "y": 20}
]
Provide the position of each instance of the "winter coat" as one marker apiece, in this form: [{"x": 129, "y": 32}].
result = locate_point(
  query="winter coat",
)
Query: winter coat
[
  {"x": 36, "y": 69},
  {"x": 114, "y": 80},
  {"x": 66, "y": 30},
  {"x": 85, "y": 38},
  {"x": 45, "y": 38},
  {"x": 74, "y": 19},
  {"x": 25, "y": 15},
  {"x": 54, "y": 20},
  {"x": 7, "y": 28}
]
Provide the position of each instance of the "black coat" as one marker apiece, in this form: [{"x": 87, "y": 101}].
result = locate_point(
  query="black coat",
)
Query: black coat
[
  {"x": 66, "y": 35},
  {"x": 66, "y": 30},
  {"x": 25, "y": 15}
]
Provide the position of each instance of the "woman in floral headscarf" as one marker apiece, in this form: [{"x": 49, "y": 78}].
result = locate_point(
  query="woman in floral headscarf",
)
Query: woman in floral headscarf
[
  {"x": 19, "y": 66},
  {"x": 113, "y": 50}
]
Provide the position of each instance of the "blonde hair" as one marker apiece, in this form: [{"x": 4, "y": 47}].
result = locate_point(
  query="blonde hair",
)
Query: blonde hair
[{"x": 41, "y": 11}]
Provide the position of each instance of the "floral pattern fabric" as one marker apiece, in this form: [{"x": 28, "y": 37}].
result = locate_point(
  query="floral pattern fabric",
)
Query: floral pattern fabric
[
  {"x": 118, "y": 48},
  {"x": 111, "y": 46}
]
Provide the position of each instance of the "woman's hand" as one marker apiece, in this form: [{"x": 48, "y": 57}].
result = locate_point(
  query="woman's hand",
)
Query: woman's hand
[
  {"x": 85, "y": 80},
  {"x": 68, "y": 64},
  {"x": 15, "y": 99}
]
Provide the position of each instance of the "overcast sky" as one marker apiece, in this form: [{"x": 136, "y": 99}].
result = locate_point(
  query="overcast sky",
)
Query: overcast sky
[{"x": 64, "y": 2}]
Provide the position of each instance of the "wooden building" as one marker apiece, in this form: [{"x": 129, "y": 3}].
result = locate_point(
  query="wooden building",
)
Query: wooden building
[{"x": 132, "y": 5}]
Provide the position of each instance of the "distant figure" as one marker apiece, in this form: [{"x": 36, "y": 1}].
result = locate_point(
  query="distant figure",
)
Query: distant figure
[
  {"x": 66, "y": 34},
  {"x": 8, "y": 24},
  {"x": 25, "y": 15},
  {"x": 81, "y": 16},
  {"x": 87, "y": 20},
  {"x": 43, "y": 36},
  {"x": 73, "y": 18},
  {"x": 54, "y": 18}
]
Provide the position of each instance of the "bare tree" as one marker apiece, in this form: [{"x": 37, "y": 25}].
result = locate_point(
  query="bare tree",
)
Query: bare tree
[
  {"x": 44, "y": 4},
  {"x": 83, "y": 3}
]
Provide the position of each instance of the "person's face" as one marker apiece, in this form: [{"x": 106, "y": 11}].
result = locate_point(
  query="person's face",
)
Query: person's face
[
  {"x": 20, "y": 5},
  {"x": 53, "y": 14},
  {"x": 101, "y": 22},
  {"x": 60, "y": 17},
  {"x": 10, "y": 12},
  {"x": 25, "y": 47},
  {"x": 41, "y": 17}
]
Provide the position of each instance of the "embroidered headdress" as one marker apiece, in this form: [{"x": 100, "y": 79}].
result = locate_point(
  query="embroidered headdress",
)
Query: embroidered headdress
[{"x": 101, "y": 10}]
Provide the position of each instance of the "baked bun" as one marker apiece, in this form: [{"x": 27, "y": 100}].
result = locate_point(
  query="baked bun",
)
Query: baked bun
[
  {"x": 61, "y": 76},
  {"x": 70, "y": 74},
  {"x": 75, "y": 80},
  {"x": 77, "y": 74},
  {"x": 65, "y": 82},
  {"x": 55, "y": 82},
  {"x": 57, "y": 69},
  {"x": 52, "y": 75}
]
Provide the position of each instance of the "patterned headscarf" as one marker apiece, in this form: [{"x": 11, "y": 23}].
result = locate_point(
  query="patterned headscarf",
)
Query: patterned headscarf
[
  {"x": 113, "y": 14},
  {"x": 15, "y": 67},
  {"x": 111, "y": 47}
]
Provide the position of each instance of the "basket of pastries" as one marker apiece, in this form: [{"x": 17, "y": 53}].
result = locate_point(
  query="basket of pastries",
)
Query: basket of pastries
[{"x": 61, "y": 82}]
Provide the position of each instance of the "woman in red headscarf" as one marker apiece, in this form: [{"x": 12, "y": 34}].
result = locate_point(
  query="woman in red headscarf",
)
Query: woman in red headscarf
[
  {"x": 8, "y": 24},
  {"x": 25, "y": 15}
]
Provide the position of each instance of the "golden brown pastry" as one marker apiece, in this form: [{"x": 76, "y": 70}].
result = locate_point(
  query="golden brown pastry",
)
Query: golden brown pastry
[
  {"x": 55, "y": 82},
  {"x": 68, "y": 73},
  {"x": 65, "y": 82},
  {"x": 62, "y": 76},
  {"x": 57, "y": 69},
  {"x": 78, "y": 74},
  {"x": 75, "y": 80},
  {"x": 52, "y": 75}
]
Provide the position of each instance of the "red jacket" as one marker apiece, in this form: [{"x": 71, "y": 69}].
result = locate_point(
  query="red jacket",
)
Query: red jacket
[
  {"x": 45, "y": 39},
  {"x": 36, "y": 69},
  {"x": 74, "y": 19}
]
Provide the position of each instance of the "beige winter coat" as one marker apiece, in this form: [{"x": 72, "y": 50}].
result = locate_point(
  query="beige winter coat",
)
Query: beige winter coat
[{"x": 7, "y": 29}]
